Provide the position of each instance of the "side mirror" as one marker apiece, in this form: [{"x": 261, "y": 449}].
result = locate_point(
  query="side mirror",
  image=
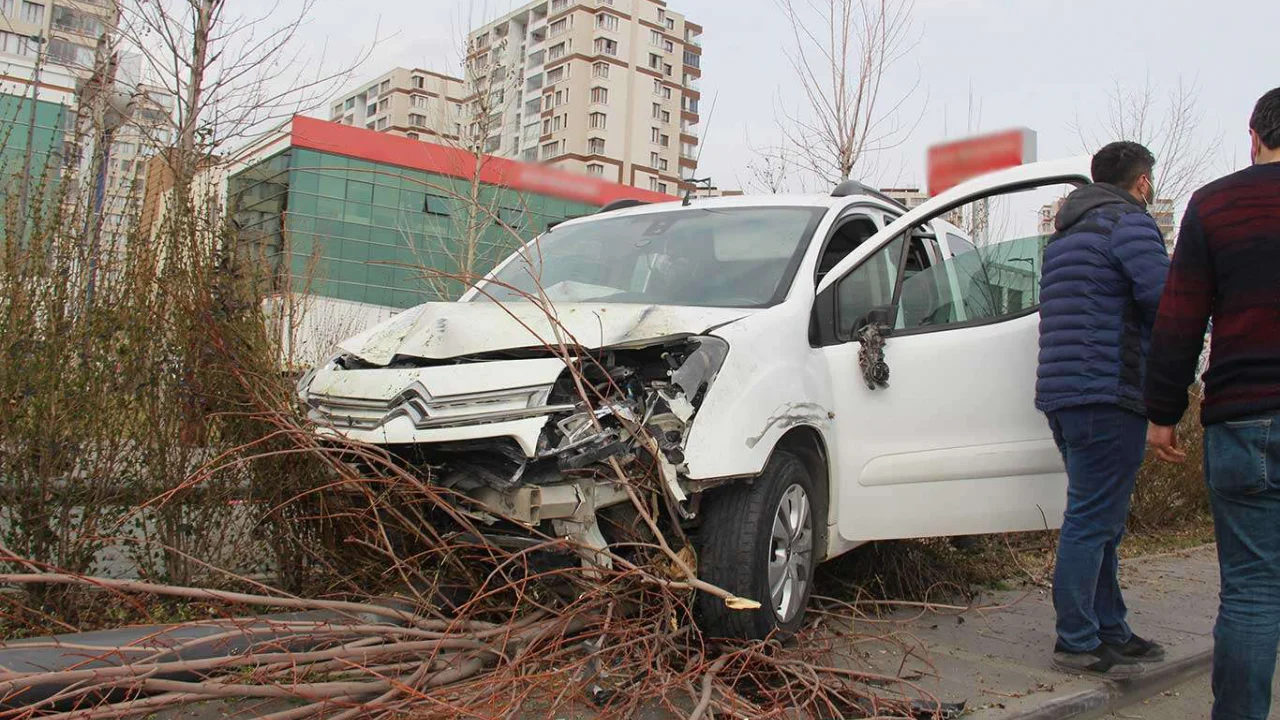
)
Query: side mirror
[{"x": 882, "y": 316}]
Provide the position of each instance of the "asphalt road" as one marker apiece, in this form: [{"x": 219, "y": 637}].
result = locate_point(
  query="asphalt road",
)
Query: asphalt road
[{"x": 1190, "y": 701}]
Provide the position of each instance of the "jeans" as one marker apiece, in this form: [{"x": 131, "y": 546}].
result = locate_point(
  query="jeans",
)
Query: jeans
[
  {"x": 1103, "y": 447},
  {"x": 1242, "y": 468}
]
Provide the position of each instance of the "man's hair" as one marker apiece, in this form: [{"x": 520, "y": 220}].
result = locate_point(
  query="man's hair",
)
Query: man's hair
[
  {"x": 1266, "y": 119},
  {"x": 1122, "y": 163}
]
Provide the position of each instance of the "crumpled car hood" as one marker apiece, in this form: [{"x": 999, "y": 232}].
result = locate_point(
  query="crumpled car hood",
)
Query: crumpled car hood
[{"x": 440, "y": 331}]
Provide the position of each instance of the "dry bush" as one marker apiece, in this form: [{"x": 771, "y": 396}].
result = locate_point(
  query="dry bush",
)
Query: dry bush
[{"x": 1173, "y": 497}]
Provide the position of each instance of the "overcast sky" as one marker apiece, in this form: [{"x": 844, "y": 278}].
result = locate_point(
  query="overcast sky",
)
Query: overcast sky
[{"x": 1034, "y": 63}]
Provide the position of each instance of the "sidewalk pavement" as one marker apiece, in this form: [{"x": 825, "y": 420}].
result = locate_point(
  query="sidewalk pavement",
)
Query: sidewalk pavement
[
  {"x": 1188, "y": 701},
  {"x": 997, "y": 661}
]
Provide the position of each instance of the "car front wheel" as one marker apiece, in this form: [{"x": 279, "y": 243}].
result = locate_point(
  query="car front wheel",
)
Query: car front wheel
[{"x": 759, "y": 541}]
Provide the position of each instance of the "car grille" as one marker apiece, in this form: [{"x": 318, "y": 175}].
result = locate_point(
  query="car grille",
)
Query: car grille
[{"x": 426, "y": 411}]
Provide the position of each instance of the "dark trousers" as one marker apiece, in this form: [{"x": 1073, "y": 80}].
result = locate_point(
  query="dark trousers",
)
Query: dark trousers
[
  {"x": 1242, "y": 468},
  {"x": 1103, "y": 447}
]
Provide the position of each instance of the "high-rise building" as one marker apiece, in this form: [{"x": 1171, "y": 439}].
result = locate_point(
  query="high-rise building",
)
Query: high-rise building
[
  {"x": 604, "y": 87},
  {"x": 63, "y": 33},
  {"x": 418, "y": 104}
]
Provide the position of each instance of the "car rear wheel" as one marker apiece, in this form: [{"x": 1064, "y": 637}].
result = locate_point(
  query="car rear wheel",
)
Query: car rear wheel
[{"x": 759, "y": 541}]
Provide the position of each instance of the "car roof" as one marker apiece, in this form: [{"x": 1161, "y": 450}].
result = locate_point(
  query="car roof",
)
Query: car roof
[{"x": 736, "y": 201}]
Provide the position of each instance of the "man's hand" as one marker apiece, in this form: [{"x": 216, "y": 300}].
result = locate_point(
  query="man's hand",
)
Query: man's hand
[{"x": 1164, "y": 441}]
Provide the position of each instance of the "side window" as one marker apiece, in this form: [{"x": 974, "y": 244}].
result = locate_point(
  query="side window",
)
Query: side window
[
  {"x": 991, "y": 270},
  {"x": 852, "y": 232},
  {"x": 869, "y": 287}
]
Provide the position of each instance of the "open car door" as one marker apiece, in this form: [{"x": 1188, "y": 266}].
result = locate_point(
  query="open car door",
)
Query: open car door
[{"x": 952, "y": 444}]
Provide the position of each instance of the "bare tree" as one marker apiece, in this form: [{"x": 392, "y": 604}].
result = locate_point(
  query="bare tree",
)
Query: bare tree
[
  {"x": 234, "y": 73},
  {"x": 840, "y": 51},
  {"x": 1169, "y": 123}
]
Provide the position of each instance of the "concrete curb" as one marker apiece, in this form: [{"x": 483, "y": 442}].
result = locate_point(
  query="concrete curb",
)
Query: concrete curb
[{"x": 1108, "y": 697}]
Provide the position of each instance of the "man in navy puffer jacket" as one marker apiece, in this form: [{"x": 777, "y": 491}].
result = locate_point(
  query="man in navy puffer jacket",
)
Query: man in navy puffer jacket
[{"x": 1104, "y": 271}]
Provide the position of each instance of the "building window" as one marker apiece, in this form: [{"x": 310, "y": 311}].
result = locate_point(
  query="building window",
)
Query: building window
[
  {"x": 383, "y": 104},
  {"x": 605, "y": 46},
  {"x": 692, "y": 59},
  {"x": 556, "y": 52},
  {"x": 666, "y": 93},
  {"x": 654, "y": 135},
  {"x": 653, "y": 159},
  {"x": 653, "y": 184},
  {"x": 383, "y": 123},
  {"x": 600, "y": 70},
  {"x": 558, "y": 27},
  {"x": 600, "y": 95},
  {"x": 558, "y": 5},
  {"x": 370, "y": 126},
  {"x": 550, "y": 150},
  {"x": 663, "y": 164},
  {"x": 671, "y": 23},
  {"x": 597, "y": 120},
  {"x": 668, "y": 46},
  {"x": 595, "y": 146},
  {"x": 549, "y": 100},
  {"x": 657, "y": 87},
  {"x": 419, "y": 82},
  {"x": 435, "y": 205},
  {"x": 349, "y": 104},
  {"x": 657, "y": 110},
  {"x": 385, "y": 87},
  {"x": 32, "y": 13},
  {"x": 655, "y": 61},
  {"x": 546, "y": 126},
  {"x": 492, "y": 144},
  {"x": 417, "y": 120},
  {"x": 70, "y": 53},
  {"x": 411, "y": 136},
  {"x": 665, "y": 141},
  {"x": 337, "y": 111},
  {"x": 595, "y": 169},
  {"x": 371, "y": 110},
  {"x": 555, "y": 75},
  {"x": 605, "y": 21},
  {"x": 418, "y": 101},
  {"x": 666, "y": 117},
  {"x": 655, "y": 38},
  {"x": 668, "y": 70},
  {"x": 16, "y": 44}
]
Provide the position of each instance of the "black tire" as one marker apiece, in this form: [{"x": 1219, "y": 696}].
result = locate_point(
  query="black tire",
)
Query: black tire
[{"x": 734, "y": 543}]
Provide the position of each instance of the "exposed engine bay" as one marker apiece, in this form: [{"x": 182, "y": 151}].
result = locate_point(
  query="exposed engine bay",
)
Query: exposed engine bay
[{"x": 624, "y": 406}]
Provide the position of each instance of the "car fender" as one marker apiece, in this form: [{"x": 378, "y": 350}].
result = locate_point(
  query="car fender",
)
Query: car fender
[{"x": 769, "y": 384}]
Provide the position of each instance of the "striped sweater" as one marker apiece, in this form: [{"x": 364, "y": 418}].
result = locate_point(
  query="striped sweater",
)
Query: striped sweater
[{"x": 1226, "y": 267}]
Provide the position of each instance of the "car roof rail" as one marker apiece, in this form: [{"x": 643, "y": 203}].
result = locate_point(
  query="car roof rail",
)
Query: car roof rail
[
  {"x": 620, "y": 204},
  {"x": 853, "y": 187}
]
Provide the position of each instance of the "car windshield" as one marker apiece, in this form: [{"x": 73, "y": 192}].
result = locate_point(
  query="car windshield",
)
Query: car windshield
[{"x": 706, "y": 257}]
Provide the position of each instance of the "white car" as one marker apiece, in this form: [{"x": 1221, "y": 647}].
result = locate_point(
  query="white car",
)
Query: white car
[{"x": 724, "y": 339}]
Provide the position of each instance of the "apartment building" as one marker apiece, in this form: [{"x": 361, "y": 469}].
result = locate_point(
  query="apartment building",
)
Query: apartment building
[
  {"x": 69, "y": 28},
  {"x": 604, "y": 87},
  {"x": 417, "y": 104}
]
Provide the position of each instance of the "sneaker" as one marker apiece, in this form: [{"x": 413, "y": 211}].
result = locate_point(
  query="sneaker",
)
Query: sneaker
[
  {"x": 1140, "y": 649},
  {"x": 1102, "y": 662}
]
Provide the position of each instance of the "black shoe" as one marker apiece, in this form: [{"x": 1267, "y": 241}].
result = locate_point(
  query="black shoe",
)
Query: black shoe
[
  {"x": 1140, "y": 649},
  {"x": 1102, "y": 662}
]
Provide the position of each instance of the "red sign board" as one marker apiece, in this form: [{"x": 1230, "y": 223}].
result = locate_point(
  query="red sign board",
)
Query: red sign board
[{"x": 954, "y": 162}]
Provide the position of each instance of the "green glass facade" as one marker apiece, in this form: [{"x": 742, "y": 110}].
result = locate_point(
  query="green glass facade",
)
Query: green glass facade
[
  {"x": 365, "y": 232},
  {"x": 41, "y": 171}
]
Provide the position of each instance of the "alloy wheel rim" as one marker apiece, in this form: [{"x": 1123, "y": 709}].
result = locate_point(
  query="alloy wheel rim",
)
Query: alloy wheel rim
[{"x": 790, "y": 553}]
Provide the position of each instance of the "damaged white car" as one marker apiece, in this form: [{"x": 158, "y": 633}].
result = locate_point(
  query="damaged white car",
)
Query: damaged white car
[{"x": 808, "y": 373}]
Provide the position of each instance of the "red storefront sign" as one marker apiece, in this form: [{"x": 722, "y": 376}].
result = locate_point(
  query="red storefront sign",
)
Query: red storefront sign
[{"x": 952, "y": 163}]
